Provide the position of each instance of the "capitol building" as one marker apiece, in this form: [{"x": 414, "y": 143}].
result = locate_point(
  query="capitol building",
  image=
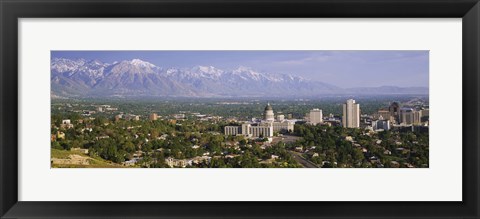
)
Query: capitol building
[{"x": 263, "y": 128}]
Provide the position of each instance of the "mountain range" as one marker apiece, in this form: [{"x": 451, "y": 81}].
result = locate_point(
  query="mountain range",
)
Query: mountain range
[{"x": 136, "y": 78}]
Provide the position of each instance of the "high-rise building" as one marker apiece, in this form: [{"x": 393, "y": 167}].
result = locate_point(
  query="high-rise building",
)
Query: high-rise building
[
  {"x": 385, "y": 114},
  {"x": 351, "y": 114},
  {"x": 315, "y": 116},
  {"x": 394, "y": 109},
  {"x": 268, "y": 113},
  {"x": 417, "y": 117},
  {"x": 410, "y": 116},
  {"x": 425, "y": 112}
]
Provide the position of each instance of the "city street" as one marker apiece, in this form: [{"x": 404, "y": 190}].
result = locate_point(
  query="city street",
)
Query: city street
[{"x": 300, "y": 159}]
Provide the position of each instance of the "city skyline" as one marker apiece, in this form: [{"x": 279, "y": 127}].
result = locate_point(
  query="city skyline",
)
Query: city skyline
[
  {"x": 364, "y": 68},
  {"x": 232, "y": 134},
  {"x": 239, "y": 109}
]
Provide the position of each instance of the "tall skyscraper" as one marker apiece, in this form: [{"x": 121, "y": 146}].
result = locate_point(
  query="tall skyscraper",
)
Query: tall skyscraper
[
  {"x": 351, "y": 114},
  {"x": 410, "y": 116},
  {"x": 394, "y": 111},
  {"x": 315, "y": 116}
]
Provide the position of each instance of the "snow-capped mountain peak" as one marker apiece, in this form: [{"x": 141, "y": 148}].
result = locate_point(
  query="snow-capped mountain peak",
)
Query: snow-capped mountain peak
[
  {"x": 206, "y": 71},
  {"x": 66, "y": 65},
  {"x": 248, "y": 73},
  {"x": 138, "y": 77},
  {"x": 134, "y": 66},
  {"x": 141, "y": 63}
]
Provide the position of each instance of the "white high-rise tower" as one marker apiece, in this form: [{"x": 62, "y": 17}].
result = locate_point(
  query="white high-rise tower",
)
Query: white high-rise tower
[{"x": 351, "y": 114}]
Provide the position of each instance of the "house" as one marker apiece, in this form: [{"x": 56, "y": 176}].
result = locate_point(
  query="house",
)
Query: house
[
  {"x": 102, "y": 137},
  {"x": 163, "y": 137},
  {"x": 66, "y": 124},
  {"x": 394, "y": 164},
  {"x": 172, "y": 162},
  {"x": 137, "y": 154},
  {"x": 198, "y": 160},
  {"x": 132, "y": 162}
]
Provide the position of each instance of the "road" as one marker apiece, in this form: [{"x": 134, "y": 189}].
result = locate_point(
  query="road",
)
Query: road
[{"x": 300, "y": 159}]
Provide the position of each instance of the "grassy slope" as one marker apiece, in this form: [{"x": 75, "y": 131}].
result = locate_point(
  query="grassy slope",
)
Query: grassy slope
[{"x": 94, "y": 162}]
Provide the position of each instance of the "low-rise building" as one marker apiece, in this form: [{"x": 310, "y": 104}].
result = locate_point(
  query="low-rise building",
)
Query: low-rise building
[
  {"x": 263, "y": 128},
  {"x": 66, "y": 124},
  {"x": 172, "y": 162},
  {"x": 381, "y": 125}
]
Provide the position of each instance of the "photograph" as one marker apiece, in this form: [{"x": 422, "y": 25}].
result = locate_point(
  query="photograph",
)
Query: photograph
[{"x": 239, "y": 109}]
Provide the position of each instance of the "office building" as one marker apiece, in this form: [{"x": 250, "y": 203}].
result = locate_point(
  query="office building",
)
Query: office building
[
  {"x": 351, "y": 114},
  {"x": 410, "y": 116},
  {"x": 315, "y": 116},
  {"x": 394, "y": 109},
  {"x": 385, "y": 114}
]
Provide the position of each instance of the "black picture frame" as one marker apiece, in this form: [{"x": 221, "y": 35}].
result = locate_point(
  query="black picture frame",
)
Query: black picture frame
[{"x": 12, "y": 10}]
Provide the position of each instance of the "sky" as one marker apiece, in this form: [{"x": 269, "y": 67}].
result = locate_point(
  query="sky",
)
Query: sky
[{"x": 366, "y": 68}]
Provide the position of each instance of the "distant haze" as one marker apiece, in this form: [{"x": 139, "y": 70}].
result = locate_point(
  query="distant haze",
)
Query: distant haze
[{"x": 343, "y": 69}]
